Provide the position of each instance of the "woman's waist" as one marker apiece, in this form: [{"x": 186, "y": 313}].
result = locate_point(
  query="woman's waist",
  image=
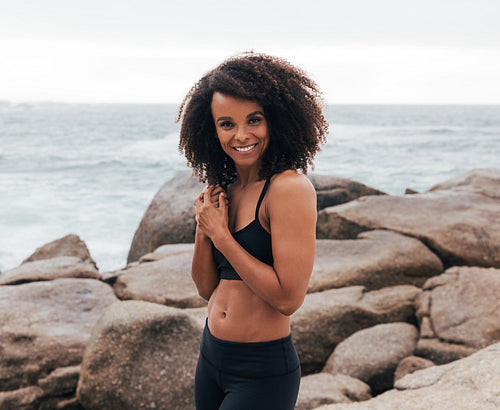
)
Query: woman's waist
[{"x": 236, "y": 314}]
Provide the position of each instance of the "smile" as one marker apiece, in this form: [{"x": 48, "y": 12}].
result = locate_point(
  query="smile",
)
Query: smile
[{"x": 245, "y": 149}]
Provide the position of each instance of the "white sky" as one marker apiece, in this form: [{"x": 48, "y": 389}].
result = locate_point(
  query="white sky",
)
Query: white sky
[{"x": 152, "y": 51}]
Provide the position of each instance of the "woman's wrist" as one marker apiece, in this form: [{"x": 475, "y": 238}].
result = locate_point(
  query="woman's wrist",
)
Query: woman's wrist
[
  {"x": 201, "y": 235},
  {"x": 220, "y": 237}
]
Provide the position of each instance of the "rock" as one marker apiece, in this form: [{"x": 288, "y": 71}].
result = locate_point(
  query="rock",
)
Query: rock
[
  {"x": 331, "y": 190},
  {"x": 60, "y": 403},
  {"x": 326, "y": 318},
  {"x": 69, "y": 245},
  {"x": 49, "y": 269},
  {"x": 45, "y": 326},
  {"x": 325, "y": 388},
  {"x": 377, "y": 259},
  {"x": 441, "y": 352},
  {"x": 141, "y": 355},
  {"x": 110, "y": 277},
  {"x": 392, "y": 303},
  {"x": 461, "y": 228},
  {"x": 166, "y": 281},
  {"x": 169, "y": 218},
  {"x": 26, "y": 398},
  {"x": 61, "y": 381},
  {"x": 464, "y": 306},
  {"x": 198, "y": 314},
  {"x": 479, "y": 181},
  {"x": 373, "y": 354},
  {"x": 470, "y": 383},
  {"x": 167, "y": 250},
  {"x": 411, "y": 364}
]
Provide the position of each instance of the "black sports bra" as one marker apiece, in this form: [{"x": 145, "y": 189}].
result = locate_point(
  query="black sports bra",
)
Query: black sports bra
[{"x": 253, "y": 238}]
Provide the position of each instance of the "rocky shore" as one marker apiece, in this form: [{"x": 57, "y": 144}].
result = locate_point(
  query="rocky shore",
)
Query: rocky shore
[{"x": 402, "y": 311}]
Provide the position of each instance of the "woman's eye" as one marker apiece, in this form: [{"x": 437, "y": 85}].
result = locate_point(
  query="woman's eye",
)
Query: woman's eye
[
  {"x": 255, "y": 120},
  {"x": 226, "y": 124}
]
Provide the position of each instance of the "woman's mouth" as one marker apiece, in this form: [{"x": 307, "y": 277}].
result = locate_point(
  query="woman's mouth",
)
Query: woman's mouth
[{"x": 245, "y": 149}]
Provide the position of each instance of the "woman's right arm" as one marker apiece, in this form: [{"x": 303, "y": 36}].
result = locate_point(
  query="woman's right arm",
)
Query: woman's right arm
[{"x": 203, "y": 269}]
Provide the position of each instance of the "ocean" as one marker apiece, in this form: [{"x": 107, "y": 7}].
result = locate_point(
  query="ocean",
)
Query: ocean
[{"x": 93, "y": 169}]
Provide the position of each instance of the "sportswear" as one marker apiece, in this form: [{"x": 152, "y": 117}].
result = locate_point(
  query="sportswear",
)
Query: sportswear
[
  {"x": 246, "y": 376},
  {"x": 253, "y": 238}
]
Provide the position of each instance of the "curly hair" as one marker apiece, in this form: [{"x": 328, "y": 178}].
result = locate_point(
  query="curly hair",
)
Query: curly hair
[{"x": 292, "y": 106}]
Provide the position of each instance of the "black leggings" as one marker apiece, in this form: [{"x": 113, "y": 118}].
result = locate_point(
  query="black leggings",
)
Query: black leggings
[{"x": 246, "y": 376}]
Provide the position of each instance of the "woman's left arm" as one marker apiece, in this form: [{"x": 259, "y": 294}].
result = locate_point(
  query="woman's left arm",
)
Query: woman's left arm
[{"x": 291, "y": 207}]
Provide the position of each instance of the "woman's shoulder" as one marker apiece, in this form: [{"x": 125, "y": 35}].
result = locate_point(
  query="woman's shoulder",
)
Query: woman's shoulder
[{"x": 291, "y": 182}]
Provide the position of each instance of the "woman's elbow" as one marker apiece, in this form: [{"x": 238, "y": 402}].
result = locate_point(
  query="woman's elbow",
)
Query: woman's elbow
[
  {"x": 205, "y": 289},
  {"x": 288, "y": 308}
]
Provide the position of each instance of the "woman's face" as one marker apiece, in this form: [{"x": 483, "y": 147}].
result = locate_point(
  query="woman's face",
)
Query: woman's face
[{"x": 241, "y": 128}]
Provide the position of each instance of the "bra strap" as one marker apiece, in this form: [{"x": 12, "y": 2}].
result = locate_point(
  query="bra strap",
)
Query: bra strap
[{"x": 263, "y": 193}]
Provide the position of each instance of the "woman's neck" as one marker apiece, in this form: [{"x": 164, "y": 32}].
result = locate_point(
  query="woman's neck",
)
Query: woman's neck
[{"x": 247, "y": 176}]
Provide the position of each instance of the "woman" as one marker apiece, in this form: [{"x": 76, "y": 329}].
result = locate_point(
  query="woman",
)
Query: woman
[{"x": 248, "y": 127}]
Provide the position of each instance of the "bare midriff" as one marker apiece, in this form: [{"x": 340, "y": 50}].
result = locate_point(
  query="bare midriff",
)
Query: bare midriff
[{"x": 236, "y": 314}]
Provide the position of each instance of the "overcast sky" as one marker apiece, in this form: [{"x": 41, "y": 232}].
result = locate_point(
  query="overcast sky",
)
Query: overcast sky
[{"x": 152, "y": 51}]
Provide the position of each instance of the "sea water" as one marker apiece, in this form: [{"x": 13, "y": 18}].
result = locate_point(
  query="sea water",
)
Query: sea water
[{"x": 93, "y": 169}]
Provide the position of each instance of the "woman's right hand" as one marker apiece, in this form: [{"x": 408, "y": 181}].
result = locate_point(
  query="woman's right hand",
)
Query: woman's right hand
[{"x": 211, "y": 211}]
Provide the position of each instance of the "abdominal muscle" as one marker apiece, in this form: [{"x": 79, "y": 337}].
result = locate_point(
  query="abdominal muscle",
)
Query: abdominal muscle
[{"x": 237, "y": 314}]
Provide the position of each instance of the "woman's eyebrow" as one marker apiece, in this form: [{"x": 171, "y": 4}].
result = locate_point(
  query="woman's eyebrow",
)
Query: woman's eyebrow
[
  {"x": 249, "y": 115},
  {"x": 254, "y": 113}
]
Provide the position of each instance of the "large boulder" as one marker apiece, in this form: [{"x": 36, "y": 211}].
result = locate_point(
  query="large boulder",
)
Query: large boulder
[
  {"x": 69, "y": 245},
  {"x": 325, "y": 388},
  {"x": 169, "y": 218},
  {"x": 326, "y": 318},
  {"x": 460, "y": 309},
  {"x": 45, "y": 326},
  {"x": 470, "y": 383},
  {"x": 479, "y": 181},
  {"x": 332, "y": 190},
  {"x": 141, "y": 356},
  {"x": 377, "y": 259},
  {"x": 166, "y": 280},
  {"x": 461, "y": 228},
  {"x": 372, "y": 355},
  {"x": 49, "y": 269}
]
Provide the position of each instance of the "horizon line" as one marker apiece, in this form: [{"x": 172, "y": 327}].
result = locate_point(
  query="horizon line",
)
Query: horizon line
[{"x": 55, "y": 102}]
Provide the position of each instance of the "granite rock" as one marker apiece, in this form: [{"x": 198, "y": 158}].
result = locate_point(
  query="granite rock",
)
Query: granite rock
[
  {"x": 141, "y": 355},
  {"x": 167, "y": 280},
  {"x": 372, "y": 355},
  {"x": 376, "y": 259},
  {"x": 462, "y": 228}
]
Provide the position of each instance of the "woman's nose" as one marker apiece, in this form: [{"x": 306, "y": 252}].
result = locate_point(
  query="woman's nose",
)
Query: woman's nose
[{"x": 241, "y": 134}]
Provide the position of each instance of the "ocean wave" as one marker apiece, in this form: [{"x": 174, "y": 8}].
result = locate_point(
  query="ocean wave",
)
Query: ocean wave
[{"x": 440, "y": 131}]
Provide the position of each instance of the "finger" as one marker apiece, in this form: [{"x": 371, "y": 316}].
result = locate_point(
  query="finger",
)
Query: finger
[
  {"x": 206, "y": 194},
  {"x": 199, "y": 200},
  {"x": 222, "y": 200},
  {"x": 215, "y": 193},
  {"x": 217, "y": 190}
]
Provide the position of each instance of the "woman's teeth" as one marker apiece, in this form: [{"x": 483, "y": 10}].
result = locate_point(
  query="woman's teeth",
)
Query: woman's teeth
[{"x": 244, "y": 149}]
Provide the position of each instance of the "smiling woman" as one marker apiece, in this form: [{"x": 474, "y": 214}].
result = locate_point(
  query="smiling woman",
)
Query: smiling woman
[
  {"x": 248, "y": 127},
  {"x": 241, "y": 128}
]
